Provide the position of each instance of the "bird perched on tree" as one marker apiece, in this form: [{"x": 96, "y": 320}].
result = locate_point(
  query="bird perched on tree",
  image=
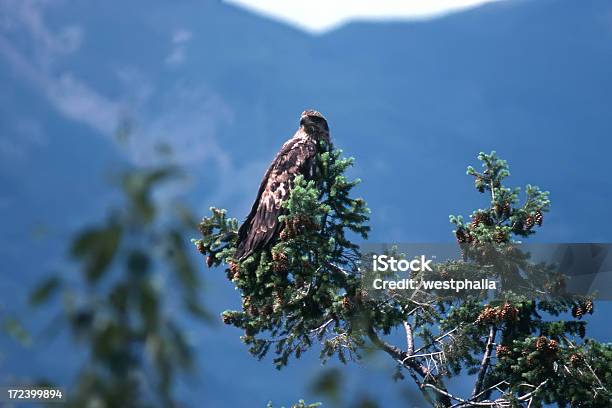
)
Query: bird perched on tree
[{"x": 297, "y": 157}]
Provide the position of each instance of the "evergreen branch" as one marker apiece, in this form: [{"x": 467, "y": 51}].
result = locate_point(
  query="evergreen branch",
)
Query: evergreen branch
[{"x": 602, "y": 386}]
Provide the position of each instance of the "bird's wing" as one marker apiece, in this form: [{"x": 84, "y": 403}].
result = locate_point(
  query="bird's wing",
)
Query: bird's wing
[{"x": 262, "y": 226}]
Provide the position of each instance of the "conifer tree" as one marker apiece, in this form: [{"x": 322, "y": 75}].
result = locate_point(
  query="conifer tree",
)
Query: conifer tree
[{"x": 521, "y": 348}]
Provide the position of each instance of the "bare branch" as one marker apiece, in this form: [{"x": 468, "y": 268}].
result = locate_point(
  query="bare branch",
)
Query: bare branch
[
  {"x": 409, "y": 339},
  {"x": 411, "y": 364},
  {"x": 486, "y": 358},
  {"x": 437, "y": 339},
  {"x": 322, "y": 327}
]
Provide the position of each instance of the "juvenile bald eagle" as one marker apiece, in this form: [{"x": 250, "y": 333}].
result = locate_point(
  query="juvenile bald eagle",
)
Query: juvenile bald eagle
[{"x": 297, "y": 156}]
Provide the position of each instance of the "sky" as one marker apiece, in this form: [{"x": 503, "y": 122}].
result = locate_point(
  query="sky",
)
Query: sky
[{"x": 330, "y": 14}]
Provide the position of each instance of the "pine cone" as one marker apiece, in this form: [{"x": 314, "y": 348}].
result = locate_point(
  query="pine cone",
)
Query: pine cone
[
  {"x": 280, "y": 262},
  {"x": 541, "y": 343},
  {"x": 575, "y": 359},
  {"x": 461, "y": 235},
  {"x": 577, "y": 311},
  {"x": 480, "y": 218},
  {"x": 300, "y": 224},
  {"x": 529, "y": 223},
  {"x": 588, "y": 306},
  {"x": 209, "y": 261},
  {"x": 233, "y": 272},
  {"x": 200, "y": 247},
  {"x": 508, "y": 312},
  {"x": 507, "y": 210},
  {"x": 227, "y": 319},
  {"x": 499, "y": 209},
  {"x": 500, "y": 236},
  {"x": 502, "y": 350},
  {"x": 539, "y": 218},
  {"x": 488, "y": 315},
  {"x": 346, "y": 303}
]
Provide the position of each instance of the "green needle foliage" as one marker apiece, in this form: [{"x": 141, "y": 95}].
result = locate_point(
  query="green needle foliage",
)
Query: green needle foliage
[
  {"x": 518, "y": 343},
  {"x": 292, "y": 293}
]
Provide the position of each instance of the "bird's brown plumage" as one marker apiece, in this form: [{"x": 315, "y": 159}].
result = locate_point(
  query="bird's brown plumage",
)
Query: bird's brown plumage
[{"x": 297, "y": 156}]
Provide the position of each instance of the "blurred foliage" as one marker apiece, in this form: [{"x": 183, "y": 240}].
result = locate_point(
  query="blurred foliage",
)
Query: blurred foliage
[
  {"x": 306, "y": 289},
  {"x": 15, "y": 330},
  {"x": 330, "y": 383},
  {"x": 134, "y": 289}
]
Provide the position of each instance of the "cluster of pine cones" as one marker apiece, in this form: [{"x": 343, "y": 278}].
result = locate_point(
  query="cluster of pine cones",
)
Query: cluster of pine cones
[
  {"x": 233, "y": 272},
  {"x": 280, "y": 261},
  {"x": 575, "y": 359},
  {"x": 505, "y": 313},
  {"x": 464, "y": 235},
  {"x": 502, "y": 350},
  {"x": 543, "y": 344},
  {"x": 548, "y": 352},
  {"x": 297, "y": 226},
  {"x": 504, "y": 210},
  {"x": 253, "y": 310},
  {"x": 532, "y": 220},
  {"x": 582, "y": 308},
  {"x": 500, "y": 236},
  {"x": 480, "y": 218}
]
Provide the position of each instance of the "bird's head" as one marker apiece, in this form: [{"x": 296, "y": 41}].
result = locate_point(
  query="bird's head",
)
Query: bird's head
[{"x": 315, "y": 124}]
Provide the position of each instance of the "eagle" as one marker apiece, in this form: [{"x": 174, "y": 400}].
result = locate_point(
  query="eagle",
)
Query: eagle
[{"x": 261, "y": 228}]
